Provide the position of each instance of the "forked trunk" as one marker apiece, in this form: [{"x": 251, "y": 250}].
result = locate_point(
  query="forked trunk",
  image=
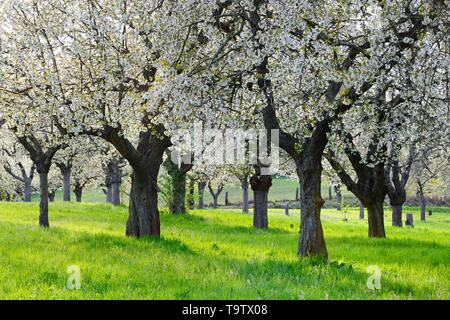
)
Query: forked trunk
[
  {"x": 143, "y": 214},
  {"x": 78, "y": 190},
  {"x": 311, "y": 241},
  {"x": 397, "y": 215},
  {"x": 27, "y": 187},
  {"x": 260, "y": 186},
  {"x": 215, "y": 200},
  {"x": 43, "y": 204},
  {"x": 375, "y": 213},
  {"x": 79, "y": 195}
]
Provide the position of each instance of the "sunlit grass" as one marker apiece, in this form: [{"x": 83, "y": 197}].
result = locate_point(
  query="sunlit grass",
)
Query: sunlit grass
[{"x": 216, "y": 255}]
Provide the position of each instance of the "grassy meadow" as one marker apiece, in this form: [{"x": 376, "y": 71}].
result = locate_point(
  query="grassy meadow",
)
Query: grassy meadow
[{"x": 216, "y": 254}]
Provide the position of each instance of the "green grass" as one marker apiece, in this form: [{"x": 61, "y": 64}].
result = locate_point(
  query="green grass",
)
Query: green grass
[{"x": 215, "y": 255}]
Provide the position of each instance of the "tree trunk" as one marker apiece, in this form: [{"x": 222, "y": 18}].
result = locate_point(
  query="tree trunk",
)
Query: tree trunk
[
  {"x": 52, "y": 195},
  {"x": 27, "y": 190},
  {"x": 245, "y": 197},
  {"x": 43, "y": 205},
  {"x": 178, "y": 182},
  {"x": 397, "y": 215},
  {"x": 191, "y": 194},
  {"x": 226, "y": 199},
  {"x": 375, "y": 213},
  {"x": 361, "y": 211},
  {"x": 297, "y": 195},
  {"x": 311, "y": 241},
  {"x": 109, "y": 193},
  {"x": 423, "y": 205},
  {"x": 79, "y": 195},
  {"x": 337, "y": 189},
  {"x": 260, "y": 186},
  {"x": 215, "y": 200},
  {"x": 286, "y": 208},
  {"x": 409, "y": 220},
  {"x": 115, "y": 193},
  {"x": 201, "y": 193},
  {"x": 330, "y": 193},
  {"x": 78, "y": 190},
  {"x": 66, "y": 184},
  {"x": 143, "y": 214}
]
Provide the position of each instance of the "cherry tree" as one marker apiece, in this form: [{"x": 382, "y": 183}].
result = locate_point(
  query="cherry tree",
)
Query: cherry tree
[
  {"x": 305, "y": 65},
  {"x": 17, "y": 164}
]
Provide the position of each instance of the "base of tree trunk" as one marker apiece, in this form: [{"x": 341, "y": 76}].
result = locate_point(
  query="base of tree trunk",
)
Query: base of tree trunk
[
  {"x": 43, "y": 204},
  {"x": 260, "y": 186},
  {"x": 311, "y": 242},
  {"x": 143, "y": 214},
  {"x": 409, "y": 220},
  {"x": 375, "y": 213},
  {"x": 397, "y": 215}
]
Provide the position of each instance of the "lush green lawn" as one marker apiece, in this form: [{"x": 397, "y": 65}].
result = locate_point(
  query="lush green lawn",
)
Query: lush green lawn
[{"x": 214, "y": 255}]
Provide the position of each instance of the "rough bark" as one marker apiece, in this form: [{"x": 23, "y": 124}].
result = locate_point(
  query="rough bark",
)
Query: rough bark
[
  {"x": 311, "y": 241},
  {"x": 43, "y": 204},
  {"x": 260, "y": 185},
  {"x": 397, "y": 215},
  {"x": 375, "y": 215},
  {"x": 143, "y": 216}
]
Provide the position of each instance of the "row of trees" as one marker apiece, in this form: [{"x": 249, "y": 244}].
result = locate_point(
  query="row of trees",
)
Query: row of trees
[{"x": 358, "y": 83}]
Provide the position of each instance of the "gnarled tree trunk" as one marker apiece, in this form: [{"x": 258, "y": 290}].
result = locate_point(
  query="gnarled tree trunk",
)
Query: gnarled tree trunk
[
  {"x": 375, "y": 213},
  {"x": 311, "y": 241},
  {"x": 397, "y": 215},
  {"x": 143, "y": 214},
  {"x": 260, "y": 185}
]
